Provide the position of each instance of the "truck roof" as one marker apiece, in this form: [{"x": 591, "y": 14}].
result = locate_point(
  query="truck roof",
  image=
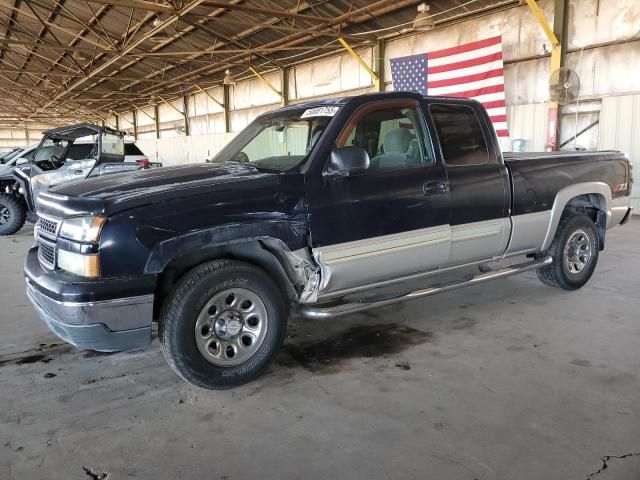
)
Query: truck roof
[
  {"x": 340, "y": 101},
  {"x": 71, "y": 132}
]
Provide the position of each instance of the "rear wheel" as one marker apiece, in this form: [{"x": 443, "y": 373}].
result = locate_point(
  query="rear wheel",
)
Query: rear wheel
[
  {"x": 574, "y": 250},
  {"x": 13, "y": 214},
  {"x": 222, "y": 324}
]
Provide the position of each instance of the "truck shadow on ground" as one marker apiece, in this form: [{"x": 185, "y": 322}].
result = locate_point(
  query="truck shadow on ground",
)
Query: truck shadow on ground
[
  {"x": 328, "y": 347},
  {"x": 326, "y": 355}
]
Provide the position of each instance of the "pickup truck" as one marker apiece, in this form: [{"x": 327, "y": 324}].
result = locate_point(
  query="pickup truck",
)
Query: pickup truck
[{"x": 317, "y": 210}]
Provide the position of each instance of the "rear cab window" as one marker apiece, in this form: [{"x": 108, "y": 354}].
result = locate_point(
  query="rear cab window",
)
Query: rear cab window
[
  {"x": 81, "y": 151},
  {"x": 459, "y": 131},
  {"x": 132, "y": 149}
]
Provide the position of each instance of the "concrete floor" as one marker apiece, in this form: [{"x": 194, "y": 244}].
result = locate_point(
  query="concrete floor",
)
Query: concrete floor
[{"x": 509, "y": 380}]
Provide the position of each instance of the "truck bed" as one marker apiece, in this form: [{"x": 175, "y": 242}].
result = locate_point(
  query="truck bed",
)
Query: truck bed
[{"x": 539, "y": 176}]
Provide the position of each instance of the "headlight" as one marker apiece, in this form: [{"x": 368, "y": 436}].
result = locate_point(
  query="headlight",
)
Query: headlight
[
  {"x": 78, "y": 263},
  {"x": 82, "y": 229}
]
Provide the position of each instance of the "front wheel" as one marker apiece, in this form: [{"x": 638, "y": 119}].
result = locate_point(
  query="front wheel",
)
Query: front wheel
[
  {"x": 574, "y": 251},
  {"x": 13, "y": 213},
  {"x": 222, "y": 324}
]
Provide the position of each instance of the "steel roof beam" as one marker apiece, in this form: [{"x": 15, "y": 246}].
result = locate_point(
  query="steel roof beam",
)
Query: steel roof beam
[
  {"x": 248, "y": 32},
  {"x": 155, "y": 30},
  {"x": 356, "y": 16}
]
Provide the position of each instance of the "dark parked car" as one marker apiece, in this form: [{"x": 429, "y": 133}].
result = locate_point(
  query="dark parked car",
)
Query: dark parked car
[{"x": 314, "y": 210}]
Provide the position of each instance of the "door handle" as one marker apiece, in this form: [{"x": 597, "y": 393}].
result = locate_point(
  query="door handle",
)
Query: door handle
[{"x": 434, "y": 188}]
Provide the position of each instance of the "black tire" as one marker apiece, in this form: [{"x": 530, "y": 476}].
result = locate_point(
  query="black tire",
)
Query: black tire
[
  {"x": 184, "y": 305},
  {"x": 559, "y": 273},
  {"x": 13, "y": 214}
]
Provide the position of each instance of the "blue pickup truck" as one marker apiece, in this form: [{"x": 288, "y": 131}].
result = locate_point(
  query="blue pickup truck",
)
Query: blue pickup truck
[{"x": 318, "y": 210}]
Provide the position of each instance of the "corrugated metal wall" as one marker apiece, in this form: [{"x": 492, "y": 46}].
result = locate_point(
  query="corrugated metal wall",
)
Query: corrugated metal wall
[{"x": 620, "y": 130}]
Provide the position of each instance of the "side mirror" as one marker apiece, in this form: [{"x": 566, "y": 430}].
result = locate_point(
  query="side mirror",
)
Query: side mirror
[
  {"x": 22, "y": 161},
  {"x": 348, "y": 160}
]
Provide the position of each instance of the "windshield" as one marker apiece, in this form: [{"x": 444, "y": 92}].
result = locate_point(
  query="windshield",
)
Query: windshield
[
  {"x": 279, "y": 142},
  {"x": 51, "y": 148}
]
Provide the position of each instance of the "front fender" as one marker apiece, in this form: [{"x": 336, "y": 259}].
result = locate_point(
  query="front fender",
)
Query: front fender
[
  {"x": 23, "y": 177},
  {"x": 292, "y": 234}
]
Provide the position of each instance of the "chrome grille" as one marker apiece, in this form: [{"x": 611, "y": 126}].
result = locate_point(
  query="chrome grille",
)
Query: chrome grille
[
  {"x": 47, "y": 229},
  {"x": 48, "y": 226},
  {"x": 47, "y": 253}
]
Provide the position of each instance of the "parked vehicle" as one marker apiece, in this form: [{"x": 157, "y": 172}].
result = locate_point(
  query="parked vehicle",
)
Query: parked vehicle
[
  {"x": 11, "y": 159},
  {"x": 8, "y": 152},
  {"x": 132, "y": 153},
  {"x": 63, "y": 155},
  {"x": 315, "y": 210}
]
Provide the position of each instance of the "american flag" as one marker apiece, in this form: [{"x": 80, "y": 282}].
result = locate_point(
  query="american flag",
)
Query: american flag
[{"x": 473, "y": 70}]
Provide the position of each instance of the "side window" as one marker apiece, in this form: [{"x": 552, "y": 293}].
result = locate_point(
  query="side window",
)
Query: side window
[
  {"x": 460, "y": 134},
  {"x": 81, "y": 151},
  {"x": 132, "y": 149},
  {"x": 393, "y": 137}
]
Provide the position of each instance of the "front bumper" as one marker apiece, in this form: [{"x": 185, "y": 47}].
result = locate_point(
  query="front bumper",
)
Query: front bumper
[
  {"x": 85, "y": 324},
  {"x": 103, "y": 324}
]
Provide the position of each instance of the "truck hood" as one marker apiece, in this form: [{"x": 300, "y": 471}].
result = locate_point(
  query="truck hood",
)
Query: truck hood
[{"x": 112, "y": 193}]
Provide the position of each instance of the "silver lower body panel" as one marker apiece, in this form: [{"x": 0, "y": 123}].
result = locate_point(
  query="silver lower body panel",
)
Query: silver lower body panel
[{"x": 319, "y": 312}]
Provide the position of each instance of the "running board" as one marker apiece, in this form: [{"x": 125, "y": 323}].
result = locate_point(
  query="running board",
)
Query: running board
[{"x": 325, "y": 313}]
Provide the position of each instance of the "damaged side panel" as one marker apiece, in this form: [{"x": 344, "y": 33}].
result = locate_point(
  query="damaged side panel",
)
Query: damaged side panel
[
  {"x": 302, "y": 271},
  {"x": 271, "y": 232}
]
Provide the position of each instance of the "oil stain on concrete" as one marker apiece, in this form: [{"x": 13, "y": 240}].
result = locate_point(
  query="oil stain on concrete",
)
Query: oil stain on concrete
[{"x": 329, "y": 354}]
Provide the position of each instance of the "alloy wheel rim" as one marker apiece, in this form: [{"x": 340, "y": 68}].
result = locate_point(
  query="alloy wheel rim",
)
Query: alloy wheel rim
[
  {"x": 577, "y": 252},
  {"x": 5, "y": 215},
  {"x": 231, "y": 327}
]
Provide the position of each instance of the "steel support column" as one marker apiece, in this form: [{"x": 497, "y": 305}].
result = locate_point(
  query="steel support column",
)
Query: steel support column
[
  {"x": 156, "y": 119},
  {"x": 378, "y": 65},
  {"x": 560, "y": 22},
  {"x": 284, "y": 81},
  {"x": 226, "y": 96},
  {"x": 135, "y": 124},
  {"x": 557, "y": 37},
  {"x": 185, "y": 115}
]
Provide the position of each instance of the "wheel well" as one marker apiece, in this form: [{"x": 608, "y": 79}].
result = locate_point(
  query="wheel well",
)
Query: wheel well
[
  {"x": 9, "y": 186},
  {"x": 594, "y": 206},
  {"x": 252, "y": 252}
]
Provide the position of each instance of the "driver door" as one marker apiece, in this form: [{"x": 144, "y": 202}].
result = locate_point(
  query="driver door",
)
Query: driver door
[{"x": 390, "y": 220}]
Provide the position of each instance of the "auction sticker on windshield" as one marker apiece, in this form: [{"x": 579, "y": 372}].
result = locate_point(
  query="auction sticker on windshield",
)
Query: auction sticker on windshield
[{"x": 320, "y": 112}]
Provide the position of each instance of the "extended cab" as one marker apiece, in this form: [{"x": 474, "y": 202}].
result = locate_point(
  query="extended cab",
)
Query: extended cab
[{"x": 318, "y": 210}]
